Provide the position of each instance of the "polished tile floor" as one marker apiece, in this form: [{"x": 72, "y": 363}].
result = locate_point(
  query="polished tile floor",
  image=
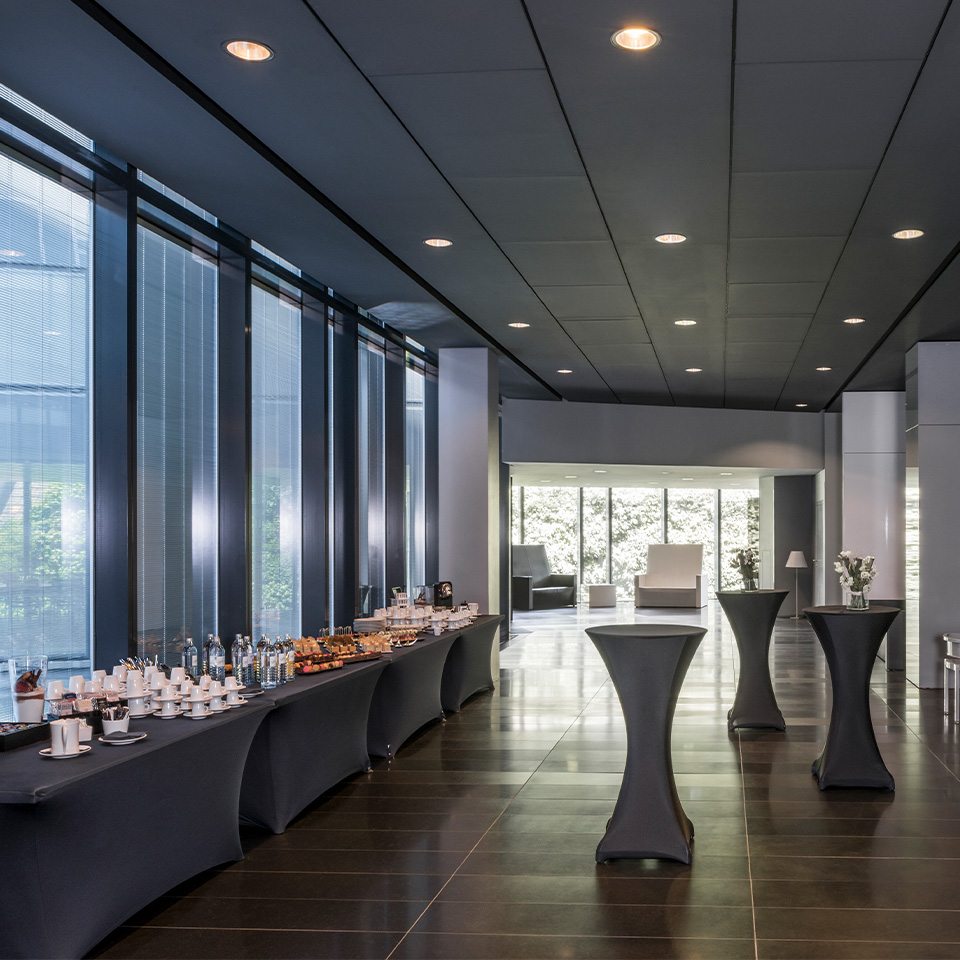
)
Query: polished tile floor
[{"x": 478, "y": 839}]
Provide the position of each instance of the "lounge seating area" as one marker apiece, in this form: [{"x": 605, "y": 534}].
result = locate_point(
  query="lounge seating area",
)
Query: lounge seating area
[
  {"x": 674, "y": 576},
  {"x": 535, "y": 586}
]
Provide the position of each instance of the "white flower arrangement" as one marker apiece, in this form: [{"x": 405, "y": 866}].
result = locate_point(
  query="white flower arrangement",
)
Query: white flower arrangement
[
  {"x": 747, "y": 561},
  {"x": 856, "y": 573}
]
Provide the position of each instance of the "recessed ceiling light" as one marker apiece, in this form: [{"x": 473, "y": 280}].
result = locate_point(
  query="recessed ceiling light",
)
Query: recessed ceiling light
[
  {"x": 853, "y": 320},
  {"x": 564, "y": 370},
  {"x": 11, "y": 253},
  {"x": 685, "y": 323},
  {"x": 438, "y": 242},
  {"x": 800, "y": 405},
  {"x": 635, "y": 38},
  {"x": 908, "y": 234},
  {"x": 248, "y": 50},
  {"x": 694, "y": 369},
  {"x": 570, "y": 476},
  {"x": 823, "y": 369},
  {"x": 546, "y": 481},
  {"x": 599, "y": 471},
  {"x": 670, "y": 238},
  {"x": 686, "y": 478},
  {"x": 726, "y": 474},
  {"x": 518, "y": 325},
  {"x": 666, "y": 473}
]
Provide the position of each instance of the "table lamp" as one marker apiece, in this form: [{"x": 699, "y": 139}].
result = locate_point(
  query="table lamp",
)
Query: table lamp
[{"x": 796, "y": 562}]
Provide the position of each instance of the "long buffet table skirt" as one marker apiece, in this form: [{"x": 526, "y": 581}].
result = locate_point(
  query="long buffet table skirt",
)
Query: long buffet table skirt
[{"x": 88, "y": 841}]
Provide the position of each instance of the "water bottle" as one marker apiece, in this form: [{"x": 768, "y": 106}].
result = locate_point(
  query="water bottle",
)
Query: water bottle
[
  {"x": 236, "y": 658},
  {"x": 281, "y": 661},
  {"x": 259, "y": 660},
  {"x": 291, "y": 652},
  {"x": 190, "y": 658},
  {"x": 249, "y": 657},
  {"x": 268, "y": 665},
  {"x": 207, "y": 647},
  {"x": 218, "y": 661}
]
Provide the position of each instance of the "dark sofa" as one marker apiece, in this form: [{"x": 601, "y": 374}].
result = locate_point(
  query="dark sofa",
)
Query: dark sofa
[{"x": 534, "y": 586}]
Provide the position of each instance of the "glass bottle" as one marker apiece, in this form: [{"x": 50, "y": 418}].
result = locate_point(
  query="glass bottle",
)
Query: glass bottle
[
  {"x": 236, "y": 657},
  {"x": 258, "y": 660},
  {"x": 249, "y": 674},
  {"x": 281, "y": 661},
  {"x": 291, "y": 652},
  {"x": 190, "y": 658},
  {"x": 267, "y": 655},
  {"x": 218, "y": 661},
  {"x": 206, "y": 653}
]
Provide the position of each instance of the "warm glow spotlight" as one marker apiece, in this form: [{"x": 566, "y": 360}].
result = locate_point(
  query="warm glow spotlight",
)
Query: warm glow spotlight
[
  {"x": 852, "y": 320},
  {"x": 564, "y": 370},
  {"x": 518, "y": 325},
  {"x": 823, "y": 369},
  {"x": 599, "y": 471},
  {"x": 635, "y": 38},
  {"x": 801, "y": 405},
  {"x": 248, "y": 50},
  {"x": 908, "y": 234},
  {"x": 438, "y": 242},
  {"x": 694, "y": 369},
  {"x": 685, "y": 323},
  {"x": 670, "y": 238}
]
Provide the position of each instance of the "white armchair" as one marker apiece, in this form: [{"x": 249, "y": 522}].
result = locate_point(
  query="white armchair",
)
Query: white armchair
[{"x": 674, "y": 576}]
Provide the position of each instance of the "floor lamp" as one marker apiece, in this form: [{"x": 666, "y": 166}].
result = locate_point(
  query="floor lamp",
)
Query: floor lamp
[{"x": 796, "y": 562}]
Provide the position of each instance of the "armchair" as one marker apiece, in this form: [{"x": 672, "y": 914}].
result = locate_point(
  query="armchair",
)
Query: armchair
[
  {"x": 673, "y": 577},
  {"x": 534, "y": 586}
]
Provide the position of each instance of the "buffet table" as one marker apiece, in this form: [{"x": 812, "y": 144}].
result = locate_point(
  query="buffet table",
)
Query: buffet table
[
  {"x": 468, "y": 667},
  {"x": 315, "y": 736},
  {"x": 850, "y": 641},
  {"x": 647, "y": 663},
  {"x": 407, "y": 695},
  {"x": 752, "y": 615},
  {"x": 86, "y": 842}
]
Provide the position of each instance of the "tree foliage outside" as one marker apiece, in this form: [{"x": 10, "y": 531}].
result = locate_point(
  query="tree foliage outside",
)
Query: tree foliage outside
[{"x": 637, "y": 521}]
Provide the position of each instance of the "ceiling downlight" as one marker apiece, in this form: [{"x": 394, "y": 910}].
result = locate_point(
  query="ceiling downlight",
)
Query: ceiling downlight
[
  {"x": 911, "y": 234},
  {"x": 854, "y": 320},
  {"x": 438, "y": 242},
  {"x": 248, "y": 50},
  {"x": 685, "y": 322},
  {"x": 670, "y": 238},
  {"x": 635, "y": 38}
]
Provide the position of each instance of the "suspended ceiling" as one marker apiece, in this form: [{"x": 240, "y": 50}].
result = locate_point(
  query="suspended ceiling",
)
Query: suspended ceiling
[{"x": 787, "y": 139}]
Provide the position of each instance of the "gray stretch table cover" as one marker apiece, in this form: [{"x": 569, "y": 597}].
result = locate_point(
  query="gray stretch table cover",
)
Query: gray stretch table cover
[
  {"x": 86, "y": 842},
  {"x": 752, "y": 616},
  {"x": 316, "y": 736},
  {"x": 468, "y": 670},
  {"x": 850, "y": 641},
  {"x": 647, "y": 663},
  {"x": 407, "y": 695}
]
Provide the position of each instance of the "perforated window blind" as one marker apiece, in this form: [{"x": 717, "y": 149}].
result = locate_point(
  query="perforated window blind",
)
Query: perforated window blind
[
  {"x": 276, "y": 505},
  {"x": 176, "y": 445},
  {"x": 45, "y": 421}
]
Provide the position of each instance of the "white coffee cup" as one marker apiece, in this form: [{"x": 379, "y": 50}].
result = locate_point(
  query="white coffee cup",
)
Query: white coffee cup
[
  {"x": 169, "y": 692},
  {"x": 216, "y": 702},
  {"x": 199, "y": 707},
  {"x": 185, "y": 688},
  {"x": 205, "y": 681},
  {"x": 120, "y": 671},
  {"x": 117, "y": 726},
  {"x": 111, "y": 684},
  {"x": 233, "y": 696},
  {"x": 92, "y": 688},
  {"x": 197, "y": 695},
  {"x": 149, "y": 670},
  {"x": 231, "y": 684},
  {"x": 98, "y": 675},
  {"x": 169, "y": 707},
  {"x": 437, "y": 629},
  {"x": 215, "y": 689},
  {"x": 134, "y": 684},
  {"x": 177, "y": 675},
  {"x": 65, "y": 737},
  {"x": 54, "y": 689},
  {"x": 75, "y": 685},
  {"x": 157, "y": 680}
]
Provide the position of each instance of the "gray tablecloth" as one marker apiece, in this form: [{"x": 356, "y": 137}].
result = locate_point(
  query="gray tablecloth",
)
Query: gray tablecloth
[
  {"x": 86, "y": 842},
  {"x": 467, "y": 670},
  {"x": 316, "y": 736}
]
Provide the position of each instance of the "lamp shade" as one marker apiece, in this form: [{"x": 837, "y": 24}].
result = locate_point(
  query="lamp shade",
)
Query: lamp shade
[{"x": 796, "y": 559}]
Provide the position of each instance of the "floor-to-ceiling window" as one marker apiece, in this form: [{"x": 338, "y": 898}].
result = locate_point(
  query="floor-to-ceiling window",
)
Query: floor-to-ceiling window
[
  {"x": 176, "y": 445},
  {"x": 45, "y": 419},
  {"x": 371, "y": 543},
  {"x": 594, "y": 537},
  {"x": 690, "y": 519},
  {"x": 636, "y": 522},
  {"x": 415, "y": 527},
  {"x": 275, "y": 498},
  {"x": 739, "y": 527},
  {"x": 550, "y": 518}
]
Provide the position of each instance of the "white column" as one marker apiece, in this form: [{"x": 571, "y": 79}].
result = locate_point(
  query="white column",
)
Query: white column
[
  {"x": 469, "y": 473},
  {"x": 933, "y": 420},
  {"x": 874, "y": 471}
]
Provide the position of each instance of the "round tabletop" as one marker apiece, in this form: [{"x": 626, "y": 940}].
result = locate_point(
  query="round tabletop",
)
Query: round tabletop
[
  {"x": 840, "y": 609},
  {"x": 748, "y": 593},
  {"x": 643, "y": 631}
]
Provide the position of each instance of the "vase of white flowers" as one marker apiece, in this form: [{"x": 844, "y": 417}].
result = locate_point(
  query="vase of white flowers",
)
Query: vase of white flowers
[
  {"x": 856, "y": 575},
  {"x": 747, "y": 562}
]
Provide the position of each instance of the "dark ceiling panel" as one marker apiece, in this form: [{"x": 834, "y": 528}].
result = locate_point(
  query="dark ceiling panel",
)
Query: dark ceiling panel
[
  {"x": 534, "y": 208},
  {"x": 587, "y": 332},
  {"x": 566, "y": 263},
  {"x": 758, "y": 370},
  {"x": 796, "y": 203},
  {"x": 761, "y": 352},
  {"x": 428, "y": 36},
  {"x": 582, "y": 303},
  {"x": 766, "y": 329},
  {"x": 497, "y": 124},
  {"x": 783, "y": 259},
  {"x": 784, "y": 30},
  {"x": 813, "y": 116},
  {"x": 621, "y": 353},
  {"x": 774, "y": 299}
]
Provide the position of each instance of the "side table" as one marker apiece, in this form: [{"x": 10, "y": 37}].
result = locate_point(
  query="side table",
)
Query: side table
[
  {"x": 647, "y": 663},
  {"x": 752, "y": 616},
  {"x": 850, "y": 641}
]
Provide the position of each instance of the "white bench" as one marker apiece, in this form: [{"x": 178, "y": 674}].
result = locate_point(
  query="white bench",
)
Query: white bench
[{"x": 674, "y": 576}]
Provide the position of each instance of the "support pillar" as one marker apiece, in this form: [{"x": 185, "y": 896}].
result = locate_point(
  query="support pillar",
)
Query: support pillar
[
  {"x": 874, "y": 471},
  {"x": 469, "y": 474}
]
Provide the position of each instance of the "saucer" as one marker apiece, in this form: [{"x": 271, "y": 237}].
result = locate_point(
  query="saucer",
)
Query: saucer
[
  {"x": 252, "y": 693},
  {"x": 167, "y": 716},
  {"x": 240, "y": 702},
  {"x": 127, "y": 738},
  {"x": 84, "y": 748},
  {"x": 220, "y": 709},
  {"x": 200, "y": 716}
]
